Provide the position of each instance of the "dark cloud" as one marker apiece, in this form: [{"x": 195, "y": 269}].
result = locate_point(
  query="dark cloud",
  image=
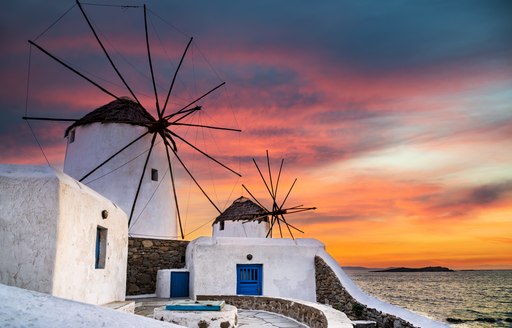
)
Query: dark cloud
[
  {"x": 489, "y": 193},
  {"x": 450, "y": 203},
  {"x": 271, "y": 131},
  {"x": 310, "y": 218},
  {"x": 365, "y": 35},
  {"x": 346, "y": 112}
]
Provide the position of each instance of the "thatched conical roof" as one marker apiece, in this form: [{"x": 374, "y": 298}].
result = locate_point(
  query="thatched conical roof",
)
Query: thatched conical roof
[
  {"x": 122, "y": 110},
  {"x": 242, "y": 209}
]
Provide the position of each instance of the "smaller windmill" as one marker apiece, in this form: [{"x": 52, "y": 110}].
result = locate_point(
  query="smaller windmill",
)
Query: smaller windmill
[{"x": 277, "y": 212}]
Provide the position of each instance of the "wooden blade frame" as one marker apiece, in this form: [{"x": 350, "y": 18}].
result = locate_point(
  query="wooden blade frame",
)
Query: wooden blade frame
[
  {"x": 160, "y": 127},
  {"x": 278, "y": 212}
]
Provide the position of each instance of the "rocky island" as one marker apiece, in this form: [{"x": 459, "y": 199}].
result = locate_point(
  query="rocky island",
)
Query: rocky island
[{"x": 425, "y": 269}]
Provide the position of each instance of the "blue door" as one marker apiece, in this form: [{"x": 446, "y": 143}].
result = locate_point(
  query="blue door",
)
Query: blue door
[
  {"x": 249, "y": 279},
  {"x": 179, "y": 284}
]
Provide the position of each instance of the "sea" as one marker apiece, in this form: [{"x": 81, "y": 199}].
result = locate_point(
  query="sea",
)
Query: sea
[{"x": 462, "y": 299}]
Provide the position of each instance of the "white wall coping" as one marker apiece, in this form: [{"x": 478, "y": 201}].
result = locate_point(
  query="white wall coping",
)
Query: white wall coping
[
  {"x": 23, "y": 308},
  {"x": 24, "y": 171},
  {"x": 335, "y": 318},
  {"x": 304, "y": 242},
  {"x": 372, "y": 302}
]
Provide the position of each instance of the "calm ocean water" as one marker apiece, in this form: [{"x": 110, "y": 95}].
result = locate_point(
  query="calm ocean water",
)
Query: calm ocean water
[{"x": 464, "y": 299}]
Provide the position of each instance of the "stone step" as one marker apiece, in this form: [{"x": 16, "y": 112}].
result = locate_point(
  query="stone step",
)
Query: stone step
[
  {"x": 364, "y": 324},
  {"x": 123, "y": 306}
]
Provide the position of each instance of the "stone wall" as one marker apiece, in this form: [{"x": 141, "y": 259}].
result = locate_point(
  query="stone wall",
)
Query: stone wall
[
  {"x": 330, "y": 290},
  {"x": 146, "y": 257},
  {"x": 305, "y": 314}
]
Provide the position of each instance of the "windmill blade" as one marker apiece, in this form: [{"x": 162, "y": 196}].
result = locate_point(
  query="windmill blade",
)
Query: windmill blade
[
  {"x": 287, "y": 226},
  {"x": 290, "y": 225},
  {"x": 288, "y": 194},
  {"x": 117, "y": 153},
  {"x": 166, "y": 136},
  {"x": 73, "y": 70},
  {"x": 279, "y": 175},
  {"x": 203, "y": 153},
  {"x": 151, "y": 63},
  {"x": 273, "y": 194},
  {"x": 106, "y": 53},
  {"x": 193, "y": 102},
  {"x": 273, "y": 220},
  {"x": 174, "y": 192},
  {"x": 49, "y": 119},
  {"x": 207, "y": 127},
  {"x": 262, "y": 178},
  {"x": 279, "y": 225},
  {"x": 174, "y": 77},
  {"x": 255, "y": 198},
  {"x": 141, "y": 178},
  {"x": 195, "y": 181},
  {"x": 299, "y": 210},
  {"x": 168, "y": 117},
  {"x": 292, "y": 208},
  {"x": 184, "y": 114}
]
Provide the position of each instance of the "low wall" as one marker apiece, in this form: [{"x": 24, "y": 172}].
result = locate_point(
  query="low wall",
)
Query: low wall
[
  {"x": 302, "y": 313},
  {"x": 337, "y": 289},
  {"x": 310, "y": 314},
  {"x": 329, "y": 290},
  {"x": 146, "y": 257}
]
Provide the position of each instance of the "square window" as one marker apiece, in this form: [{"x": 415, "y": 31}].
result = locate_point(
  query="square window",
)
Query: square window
[
  {"x": 72, "y": 136},
  {"x": 101, "y": 248},
  {"x": 154, "y": 174}
]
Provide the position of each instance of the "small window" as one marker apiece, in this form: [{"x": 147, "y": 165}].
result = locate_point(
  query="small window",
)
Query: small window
[
  {"x": 221, "y": 227},
  {"x": 72, "y": 136},
  {"x": 154, "y": 174},
  {"x": 101, "y": 248}
]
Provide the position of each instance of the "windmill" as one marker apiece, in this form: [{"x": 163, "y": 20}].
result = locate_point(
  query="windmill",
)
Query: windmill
[
  {"x": 278, "y": 210},
  {"x": 158, "y": 132}
]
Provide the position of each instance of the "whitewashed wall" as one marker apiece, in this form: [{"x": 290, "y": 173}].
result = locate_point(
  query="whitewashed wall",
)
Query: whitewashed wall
[
  {"x": 288, "y": 265},
  {"x": 251, "y": 229},
  {"x": 48, "y": 225},
  {"x": 155, "y": 211},
  {"x": 22, "y": 308}
]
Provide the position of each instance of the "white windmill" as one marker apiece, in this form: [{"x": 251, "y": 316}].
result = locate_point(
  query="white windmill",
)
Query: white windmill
[{"x": 127, "y": 154}]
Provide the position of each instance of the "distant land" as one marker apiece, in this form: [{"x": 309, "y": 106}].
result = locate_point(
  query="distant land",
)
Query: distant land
[
  {"x": 400, "y": 269},
  {"x": 425, "y": 269},
  {"x": 360, "y": 268},
  {"x": 394, "y": 269}
]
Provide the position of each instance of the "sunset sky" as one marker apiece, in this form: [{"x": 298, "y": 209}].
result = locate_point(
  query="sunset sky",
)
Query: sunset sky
[{"x": 395, "y": 116}]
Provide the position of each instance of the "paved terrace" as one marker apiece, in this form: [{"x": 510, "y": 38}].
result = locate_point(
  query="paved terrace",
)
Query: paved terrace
[
  {"x": 255, "y": 319},
  {"x": 246, "y": 318}
]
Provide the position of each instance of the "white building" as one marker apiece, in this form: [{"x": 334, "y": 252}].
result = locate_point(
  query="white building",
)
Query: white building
[
  {"x": 101, "y": 134},
  {"x": 60, "y": 237},
  {"x": 240, "y": 260},
  {"x": 253, "y": 266},
  {"x": 243, "y": 218}
]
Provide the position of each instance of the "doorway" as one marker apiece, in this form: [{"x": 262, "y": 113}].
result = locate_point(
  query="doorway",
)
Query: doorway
[
  {"x": 249, "y": 279},
  {"x": 179, "y": 284}
]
